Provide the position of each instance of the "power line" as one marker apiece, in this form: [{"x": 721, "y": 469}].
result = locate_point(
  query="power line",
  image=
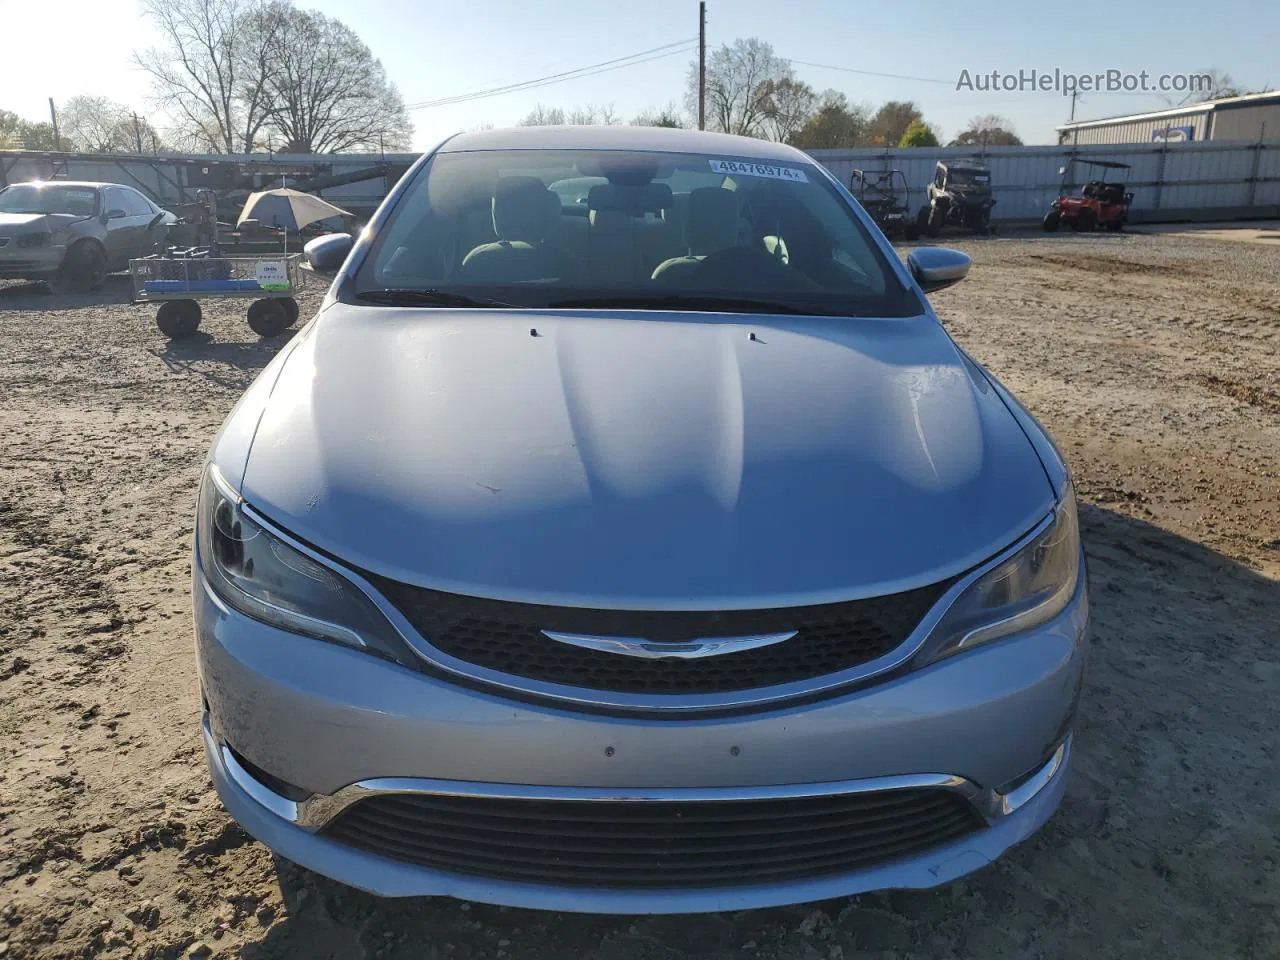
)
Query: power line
[
  {"x": 591, "y": 70},
  {"x": 873, "y": 73}
]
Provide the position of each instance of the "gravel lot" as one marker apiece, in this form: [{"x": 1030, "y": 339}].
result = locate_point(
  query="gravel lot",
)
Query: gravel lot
[{"x": 1154, "y": 360}]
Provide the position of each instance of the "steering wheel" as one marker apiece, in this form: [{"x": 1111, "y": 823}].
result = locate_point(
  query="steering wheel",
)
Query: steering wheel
[{"x": 750, "y": 268}]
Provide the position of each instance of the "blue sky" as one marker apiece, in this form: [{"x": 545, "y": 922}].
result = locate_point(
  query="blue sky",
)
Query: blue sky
[{"x": 436, "y": 49}]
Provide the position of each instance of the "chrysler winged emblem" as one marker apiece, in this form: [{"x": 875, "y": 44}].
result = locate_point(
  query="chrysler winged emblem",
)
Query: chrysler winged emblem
[{"x": 659, "y": 649}]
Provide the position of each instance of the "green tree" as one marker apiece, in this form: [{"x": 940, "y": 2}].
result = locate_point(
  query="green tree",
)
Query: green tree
[
  {"x": 891, "y": 121},
  {"x": 835, "y": 124},
  {"x": 19, "y": 134},
  {"x": 918, "y": 134}
]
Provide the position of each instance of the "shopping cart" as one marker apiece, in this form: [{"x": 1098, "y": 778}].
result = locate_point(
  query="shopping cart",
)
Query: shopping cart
[{"x": 179, "y": 279}]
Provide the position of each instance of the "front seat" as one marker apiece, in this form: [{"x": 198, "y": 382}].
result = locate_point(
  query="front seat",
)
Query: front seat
[
  {"x": 711, "y": 224},
  {"x": 524, "y": 212}
]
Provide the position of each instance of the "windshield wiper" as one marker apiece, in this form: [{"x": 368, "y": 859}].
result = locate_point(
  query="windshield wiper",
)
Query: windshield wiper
[
  {"x": 679, "y": 301},
  {"x": 409, "y": 297}
]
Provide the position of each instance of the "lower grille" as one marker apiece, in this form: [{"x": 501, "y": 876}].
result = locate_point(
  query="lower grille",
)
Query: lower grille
[
  {"x": 507, "y": 637},
  {"x": 655, "y": 844}
]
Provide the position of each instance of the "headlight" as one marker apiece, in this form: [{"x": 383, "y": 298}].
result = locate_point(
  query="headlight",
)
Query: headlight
[
  {"x": 28, "y": 240},
  {"x": 1031, "y": 587},
  {"x": 265, "y": 578}
]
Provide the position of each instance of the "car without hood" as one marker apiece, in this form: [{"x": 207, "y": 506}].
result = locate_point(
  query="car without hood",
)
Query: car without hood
[{"x": 71, "y": 234}]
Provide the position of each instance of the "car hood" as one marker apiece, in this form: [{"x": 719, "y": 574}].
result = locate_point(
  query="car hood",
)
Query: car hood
[
  {"x": 642, "y": 460},
  {"x": 12, "y": 224}
]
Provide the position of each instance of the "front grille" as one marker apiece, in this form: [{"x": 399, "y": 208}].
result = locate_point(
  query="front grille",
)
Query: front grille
[
  {"x": 655, "y": 844},
  {"x": 507, "y": 637}
]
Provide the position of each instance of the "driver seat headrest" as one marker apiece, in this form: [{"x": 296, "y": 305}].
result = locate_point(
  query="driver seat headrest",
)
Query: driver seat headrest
[
  {"x": 523, "y": 209},
  {"x": 711, "y": 222}
]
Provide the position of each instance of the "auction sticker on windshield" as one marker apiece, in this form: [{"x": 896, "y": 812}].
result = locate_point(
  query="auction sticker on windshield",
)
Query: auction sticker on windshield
[{"x": 743, "y": 168}]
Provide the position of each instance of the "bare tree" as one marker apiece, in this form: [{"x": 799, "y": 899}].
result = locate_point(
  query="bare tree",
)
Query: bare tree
[
  {"x": 989, "y": 130},
  {"x": 595, "y": 115},
  {"x": 541, "y": 116},
  {"x": 738, "y": 79},
  {"x": 324, "y": 89},
  {"x": 588, "y": 114},
  {"x": 95, "y": 124},
  {"x": 101, "y": 125},
  {"x": 789, "y": 103},
  {"x": 198, "y": 73},
  {"x": 668, "y": 116}
]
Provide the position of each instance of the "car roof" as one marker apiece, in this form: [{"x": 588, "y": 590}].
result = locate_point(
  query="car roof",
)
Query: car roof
[
  {"x": 94, "y": 184},
  {"x": 963, "y": 164},
  {"x": 654, "y": 139}
]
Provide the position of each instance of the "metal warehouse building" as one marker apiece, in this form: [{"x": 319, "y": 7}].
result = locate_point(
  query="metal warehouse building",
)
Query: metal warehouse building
[{"x": 1251, "y": 118}]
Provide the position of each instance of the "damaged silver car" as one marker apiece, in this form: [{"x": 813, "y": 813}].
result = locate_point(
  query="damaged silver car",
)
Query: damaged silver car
[{"x": 72, "y": 234}]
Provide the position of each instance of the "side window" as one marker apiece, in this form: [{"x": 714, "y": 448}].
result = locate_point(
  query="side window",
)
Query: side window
[
  {"x": 938, "y": 177},
  {"x": 136, "y": 205},
  {"x": 115, "y": 199}
]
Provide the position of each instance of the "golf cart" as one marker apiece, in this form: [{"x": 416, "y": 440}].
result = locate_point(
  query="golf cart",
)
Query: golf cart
[
  {"x": 959, "y": 196},
  {"x": 1101, "y": 202},
  {"x": 885, "y": 196}
]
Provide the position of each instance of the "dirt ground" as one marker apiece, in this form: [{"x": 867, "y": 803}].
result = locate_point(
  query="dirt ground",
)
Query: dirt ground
[{"x": 1154, "y": 360}]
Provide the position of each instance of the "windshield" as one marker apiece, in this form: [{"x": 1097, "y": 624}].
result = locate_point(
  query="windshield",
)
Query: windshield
[
  {"x": 548, "y": 228},
  {"x": 47, "y": 198},
  {"x": 967, "y": 177}
]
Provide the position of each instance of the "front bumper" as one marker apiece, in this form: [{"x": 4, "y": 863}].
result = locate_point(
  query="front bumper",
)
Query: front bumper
[
  {"x": 26, "y": 262},
  {"x": 338, "y": 723}
]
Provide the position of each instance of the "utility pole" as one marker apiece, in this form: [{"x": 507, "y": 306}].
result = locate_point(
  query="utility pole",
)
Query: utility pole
[
  {"x": 1075, "y": 134},
  {"x": 53, "y": 115},
  {"x": 137, "y": 133},
  {"x": 702, "y": 65}
]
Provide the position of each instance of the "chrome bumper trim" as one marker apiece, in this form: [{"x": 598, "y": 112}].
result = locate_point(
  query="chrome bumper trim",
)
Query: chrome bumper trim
[
  {"x": 1020, "y": 796},
  {"x": 319, "y": 809}
]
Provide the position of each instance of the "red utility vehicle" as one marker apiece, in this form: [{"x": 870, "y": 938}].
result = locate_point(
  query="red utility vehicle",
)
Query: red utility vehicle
[{"x": 1100, "y": 203}]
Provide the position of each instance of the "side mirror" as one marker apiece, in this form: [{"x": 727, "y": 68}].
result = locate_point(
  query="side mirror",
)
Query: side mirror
[
  {"x": 936, "y": 268},
  {"x": 325, "y": 255},
  {"x": 155, "y": 220}
]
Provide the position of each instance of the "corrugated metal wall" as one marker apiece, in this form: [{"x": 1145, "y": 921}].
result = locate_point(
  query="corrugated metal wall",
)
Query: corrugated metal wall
[
  {"x": 1169, "y": 181},
  {"x": 1139, "y": 131},
  {"x": 1247, "y": 123},
  {"x": 1206, "y": 179}
]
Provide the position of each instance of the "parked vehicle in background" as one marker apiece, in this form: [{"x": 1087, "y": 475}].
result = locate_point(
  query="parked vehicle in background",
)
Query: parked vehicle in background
[
  {"x": 72, "y": 234},
  {"x": 656, "y": 554},
  {"x": 1101, "y": 203},
  {"x": 886, "y": 195},
  {"x": 959, "y": 196}
]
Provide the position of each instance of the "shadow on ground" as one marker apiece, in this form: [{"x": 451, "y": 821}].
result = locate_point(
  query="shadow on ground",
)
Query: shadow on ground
[
  {"x": 228, "y": 364},
  {"x": 1167, "y": 798},
  {"x": 36, "y": 296}
]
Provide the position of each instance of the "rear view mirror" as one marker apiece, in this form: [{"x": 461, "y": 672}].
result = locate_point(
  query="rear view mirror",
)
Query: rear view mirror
[
  {"x": 325, "y": 255},
  {"x": 936, "y": 268}
]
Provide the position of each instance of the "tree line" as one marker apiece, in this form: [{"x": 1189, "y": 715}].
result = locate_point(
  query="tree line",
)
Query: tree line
[
  {"x": 238, "y": 76},
  {"x": 750, "y": 91}
]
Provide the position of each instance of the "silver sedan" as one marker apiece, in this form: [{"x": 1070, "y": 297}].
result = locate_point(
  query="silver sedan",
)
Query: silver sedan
[{"x": 658, "y": 552}]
